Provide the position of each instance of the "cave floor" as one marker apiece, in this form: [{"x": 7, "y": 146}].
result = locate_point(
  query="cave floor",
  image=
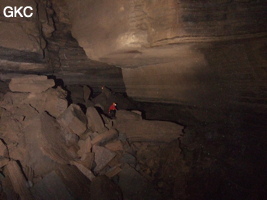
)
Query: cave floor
[{"x": 216, "y": 156}]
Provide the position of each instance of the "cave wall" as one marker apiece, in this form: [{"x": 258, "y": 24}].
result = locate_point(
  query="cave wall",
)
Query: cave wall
[
  {"x": 122, "y": 32},
  {"x": 212, "y": 74},
  {"x": 20, "y": 33},
  {"x": 43, "y": 44},
  {"x": 22, "y": 40},
  {"x": 69, "y": 61},
  {"x": 209, "y": 54}
]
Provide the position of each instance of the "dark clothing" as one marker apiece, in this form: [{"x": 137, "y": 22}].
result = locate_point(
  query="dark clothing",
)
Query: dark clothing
[{"x": 112, "y": 113}]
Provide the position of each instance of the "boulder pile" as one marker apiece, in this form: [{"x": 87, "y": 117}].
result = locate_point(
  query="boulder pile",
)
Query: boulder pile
[{"x": 52, "y": 150}]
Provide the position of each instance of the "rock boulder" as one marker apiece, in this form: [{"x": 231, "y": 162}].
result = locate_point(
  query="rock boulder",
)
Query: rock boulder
[
  {"x": 74, "y": 119},
  {"x": 30, "y": 83}
]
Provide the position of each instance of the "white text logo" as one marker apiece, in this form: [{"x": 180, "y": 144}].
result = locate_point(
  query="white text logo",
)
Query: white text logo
[{"x": 18, "y": 12}]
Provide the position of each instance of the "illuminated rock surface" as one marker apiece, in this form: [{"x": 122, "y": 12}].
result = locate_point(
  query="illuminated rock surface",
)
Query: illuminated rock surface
[{"x": 201, "y": 64}]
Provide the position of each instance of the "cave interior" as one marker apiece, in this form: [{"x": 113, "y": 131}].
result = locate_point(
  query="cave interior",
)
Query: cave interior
[{"x": 189, "y": 79}]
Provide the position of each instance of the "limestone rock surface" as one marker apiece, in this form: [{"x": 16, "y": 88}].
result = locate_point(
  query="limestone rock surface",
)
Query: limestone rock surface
[
  {"x": 49, "y": 139},
  {"x": 145, "y": 130},
  {"x": 124, "y": 115},
  {"x": 95, "y": 122},
  {"x": 133, "y": 26},
  {"x": 102, "y": 157},
  {"x": 18, "y": 180},
  {"x": 74, "y": 119},
  {"x": 115, "y": 146},
  {"x": 105, "y": 137},
  {"x": 180, "y": 52},
  {"x": 31, "y": 83},
  {"x": 52, "y": 100},
  {"x": 85, "y": 146}
]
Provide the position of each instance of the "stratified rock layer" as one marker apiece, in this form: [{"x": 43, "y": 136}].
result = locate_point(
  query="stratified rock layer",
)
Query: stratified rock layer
[
  {"x": 31, "y": 83},
  {"x": 21, "y": 39},
  {"x": 126, "y": 30},
  {"x": 206, "y": 54}
]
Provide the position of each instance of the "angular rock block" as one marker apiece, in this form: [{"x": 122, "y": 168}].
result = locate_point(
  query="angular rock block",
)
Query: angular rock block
[
  {"x": 51, "y": 187},
  {"x": 53, "y": 101},
  {"x": 124, "y": 115},
  {"x": 52, "y": 141},
  {"x": 3, "y": 149},
  {"x": 88, "y": 160},
  {"x": 45, "y": 137},
  {"x": 30, "y": 83},
  {"x": 73, "y": 119},
  {"x": 116, "y": 161},
  {"x": 104, "y": 189},
  {"x": 95, "y": 121},
  {"x": 115, "y": 146},
  {"x": 86, "y": 172},
  {"x": 113, "y": 171},
  {"x": 17, "y": 151},
  {"x": 9, "y": 128},
  {"x": 3, "y": 162},
  {"x": 75, "y": 181},
  {"x": 150, "y": 131},
  {"x": 56, "y": 102},
  {"x": 18, "y": 181},
  {"x": 86, "y": 93},
  {"x": 105, "y": 137},
  {"x": 85, "y": 147},
  {"x": 71, "y": 139},
  {"x": 65, "y": 183},
  {"x": 102, "y": 157},
  {"x": 31, "y": 153},
  {"x": 10, "y": 100}
]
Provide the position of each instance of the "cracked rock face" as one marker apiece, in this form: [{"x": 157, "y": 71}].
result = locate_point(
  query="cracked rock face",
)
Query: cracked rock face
[
  {"x": 126, "y": 30},
  {"x": 47, "y": 148},
  {"x": 22, "y": 30},
  {"x": 199, "y": 63},
  {"x": 21, "y": 39},
  {"x": 197, "y": 53},
  {"x": 182, "y": 52}
]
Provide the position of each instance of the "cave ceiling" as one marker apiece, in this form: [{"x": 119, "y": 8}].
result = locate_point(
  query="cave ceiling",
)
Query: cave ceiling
[{"x": 175, "y": 51}]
